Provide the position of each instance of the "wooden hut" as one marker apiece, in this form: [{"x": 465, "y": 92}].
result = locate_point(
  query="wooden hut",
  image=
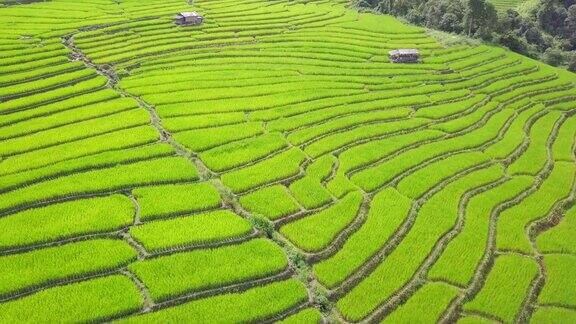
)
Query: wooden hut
[
  {"x": 188, "y": 18},
  {"x": 404, "y": 56}
]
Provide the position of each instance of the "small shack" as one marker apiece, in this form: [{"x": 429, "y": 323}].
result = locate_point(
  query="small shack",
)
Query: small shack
[
  {"x": 188, "y": 18},
  {"x": 407, "y": 55}
]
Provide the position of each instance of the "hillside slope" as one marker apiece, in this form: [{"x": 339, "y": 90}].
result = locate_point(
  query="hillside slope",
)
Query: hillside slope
[{"x": 272, "y": 164}]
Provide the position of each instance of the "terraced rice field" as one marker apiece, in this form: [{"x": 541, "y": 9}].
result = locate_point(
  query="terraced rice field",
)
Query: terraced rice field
[
  {"x": 503, "y": 5},
  {"x": 272, "y": 165}
]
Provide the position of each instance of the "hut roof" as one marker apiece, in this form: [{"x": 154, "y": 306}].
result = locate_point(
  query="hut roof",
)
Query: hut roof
[
  {"x": 404, "y": 51},
  {"x": 189, "y": 14}
]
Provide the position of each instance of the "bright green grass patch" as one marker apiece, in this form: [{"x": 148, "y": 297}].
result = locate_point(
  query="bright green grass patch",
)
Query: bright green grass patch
[
  {"x": 338, "y": 140},
  {"x": 276, "y": 168},
  {"x": 553, "y": 315},
  {"x": 436, "y": 297},
  {"x": 99, "y": 160},
  {"x": 535, "y": 156},
  {"x": 305, "y": 316},
  {"x": 469, "y": 246},
  {"x": 340, "y": 185},
  {"x": 420, "y": 181},
  {"x": 301, "y": 136},
  {"x": 370, "y": 152},
  {"x": 321, "y": 168},
  {"x": 310, "y": 192},
  {"x": 49, "y": 96},
  {"x": 87, "y": 301},
  {"x": 181, "y": 123},
  {"x": 475, "y": 319},
  {"x": 513, "y": 221},
  {"x": 561, "y": 238},
  {"x": 46, "y": 82},
  {"x": 388, "y": 210},
  {"x": 243, "y": 307},
  {"x": 374, "y": 177},
  {"x": 176, "y": 199},
  {"x": 115, "y": 140},
  {"x": 399, "y": 267},
  {"x": 562, "y": 149},
  {"x": 207, "y": 138},
  {"x": 244, "y": 151},
  {"x": 314, "y": 232},
  {"x": 458, "y": 124},
  {"x": 448, "y": 109},
  {"x": 20, "y": 271},
  {"x": 272, "y": 202},
  {"x": 65, "y": 220},
  {"x": 505, "y": 287},
  {"x": 191, "y": 230},
  {"x": 560, "y": 281},
  {"x": 514, "y": 136},
  {"x": 113, "y": 178},
  {"x": 204, "y": 269},
  {"x": 68, "y": 116},
  {"x": 76, "y": 131}
]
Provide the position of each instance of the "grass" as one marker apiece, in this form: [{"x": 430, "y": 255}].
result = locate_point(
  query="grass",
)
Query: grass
[
  {"x": 562, "y": 148},
  {"x": 247, "y": 306},
  {"x": 315, "y": 232},
  {"x": 374, "y": 177},
  {"x": 271, "y": 202},
  {"x": 560, "y": 281},
  {"x": 310, "y": 192},
  {"x": 62, "y": 262},
  {"x": 387, "y": 211},
  {"x": 125, "y": 138},
  {"x": 535, "y": 156},
  {"x": 283, "y": 165},
  {"x": 66, "y": 220},
  {"x": 365, "y": 154},
  {"x": 307, "y": 315},
  {"x": 199, "y": 270},
  {"x": 505, "y": 287},
  {"x": 95, "y": 161},
  {"x": 321, "y": 167},
  {"x": 197, "y": 229},
  {"x": 468, "y": 247},
  {"x": 511, "y": 223},
  {"x": 93, "y": 300},
  {"x": 244, "y": 151},
  {"x": 553, "y": 314},
  {"x": 421, "y": 181},
  {"x": 436, "y": 295},
  {"x": 400, "y": 265},
  {"x": 206, "y": 138},
  {"x": 295, "y": 121},
  {"x": 112, "y": 178},
  {"x": 559, "y": 239},
  {"x": 176, "y": 199}
]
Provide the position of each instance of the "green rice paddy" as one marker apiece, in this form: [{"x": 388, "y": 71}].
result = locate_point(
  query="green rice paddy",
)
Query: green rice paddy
[{"x": 272, "y": 165}]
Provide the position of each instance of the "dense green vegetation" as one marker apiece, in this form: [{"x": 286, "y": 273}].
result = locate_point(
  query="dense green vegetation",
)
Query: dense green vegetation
[
  {"x": 542, "y": 29},
  {"x": 273, "y": 165}
]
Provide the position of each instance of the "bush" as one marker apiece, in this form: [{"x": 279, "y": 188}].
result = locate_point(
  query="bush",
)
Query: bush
[
  {"x": 553, "y": 56},
  {"x": 572, "y": 63}
]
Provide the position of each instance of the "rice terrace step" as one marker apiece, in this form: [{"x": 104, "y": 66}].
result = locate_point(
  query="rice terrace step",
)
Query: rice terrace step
[{"x": 217, "y": 161}]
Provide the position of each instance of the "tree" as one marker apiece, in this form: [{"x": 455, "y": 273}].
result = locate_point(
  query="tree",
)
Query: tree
[
  {"x": 553, "y": 56},
  {"x": 446, "y": 15},
  {"x": 513, "y": 42},
  {"x": 551, "y": 16},
  {"x": 479, "y": 16},
  {"x": 572, "y": 63},
  {"x": 570, "y": 26}
]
